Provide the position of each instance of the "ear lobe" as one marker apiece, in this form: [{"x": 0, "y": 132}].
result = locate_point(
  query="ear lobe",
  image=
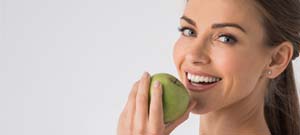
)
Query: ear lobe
[{"x": 281, "y": 57}]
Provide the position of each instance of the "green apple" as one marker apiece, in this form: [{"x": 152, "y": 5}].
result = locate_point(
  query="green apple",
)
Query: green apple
[{"x": 175, "y": 96}]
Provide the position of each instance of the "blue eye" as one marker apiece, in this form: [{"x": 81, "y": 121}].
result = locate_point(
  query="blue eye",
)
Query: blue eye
[
  {"x": 228, "y": 39},
  {"x": 185, "y": 31}
]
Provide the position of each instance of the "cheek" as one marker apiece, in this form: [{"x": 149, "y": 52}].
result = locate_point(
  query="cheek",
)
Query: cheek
[
  {"x": 232, "y": 65},
  {"x": 178, "y": 56},
  {"x": 237, "y": 63},
  {"x": 240, "y": 72},
  {"x": 228, "y": 62}
]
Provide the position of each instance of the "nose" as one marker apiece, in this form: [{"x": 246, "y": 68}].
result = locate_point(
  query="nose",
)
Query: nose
[{"x": 198, "y": 54}]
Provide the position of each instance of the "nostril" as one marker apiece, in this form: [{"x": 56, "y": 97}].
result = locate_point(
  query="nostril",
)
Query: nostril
[{"x": 197, "y": 58}]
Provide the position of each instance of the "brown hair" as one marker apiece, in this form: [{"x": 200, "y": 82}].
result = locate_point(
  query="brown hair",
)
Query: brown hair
[{"x": 281, "y": 20}]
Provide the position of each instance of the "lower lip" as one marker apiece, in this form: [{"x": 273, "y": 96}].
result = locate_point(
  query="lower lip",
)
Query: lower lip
[{"x": 200, "y": 87}]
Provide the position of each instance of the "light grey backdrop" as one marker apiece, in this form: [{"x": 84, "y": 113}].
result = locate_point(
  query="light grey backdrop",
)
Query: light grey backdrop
[{"x": 67, "y": 66}]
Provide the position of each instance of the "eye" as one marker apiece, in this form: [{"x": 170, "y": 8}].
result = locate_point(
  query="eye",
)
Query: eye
[
  {"x": 185, "y": 31},
  {"x": 227, "y": 38}
]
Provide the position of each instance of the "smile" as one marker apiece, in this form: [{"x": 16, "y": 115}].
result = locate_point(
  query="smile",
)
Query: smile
[
  {"x": 202, "y": 79},
  {"x": 201, "y": 82}
]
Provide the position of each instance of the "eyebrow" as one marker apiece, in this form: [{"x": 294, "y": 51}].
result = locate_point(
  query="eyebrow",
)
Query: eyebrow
[
  {"x": 190, "y": 21},
  {"x": 215, "y": 26}
]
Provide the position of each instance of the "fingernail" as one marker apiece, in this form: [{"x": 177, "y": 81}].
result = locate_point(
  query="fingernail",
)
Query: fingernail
[
  {"x": 156, "y": 84},
  {"x": 145, "y": 74}
]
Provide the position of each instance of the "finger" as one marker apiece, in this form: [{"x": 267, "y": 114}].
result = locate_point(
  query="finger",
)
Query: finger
[
  {"x": 170, "y": 127},
  {"x": 156, "y": 121},
  {"x": 128, "y": 114},
  {"x": 130, "y": 105},
  {"x": 141, "y": 113}
]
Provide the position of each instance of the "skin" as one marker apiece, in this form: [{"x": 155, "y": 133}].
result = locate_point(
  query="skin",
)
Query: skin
[
  {"x": 235, "y": 105},
  {"x": 135, "y": 119}
]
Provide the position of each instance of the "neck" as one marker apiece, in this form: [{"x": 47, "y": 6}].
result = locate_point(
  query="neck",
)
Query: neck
[{"x": 246, "y": 117}]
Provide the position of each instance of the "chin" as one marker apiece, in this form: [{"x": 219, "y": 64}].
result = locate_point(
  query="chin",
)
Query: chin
[{"x": 200, "y": 110}]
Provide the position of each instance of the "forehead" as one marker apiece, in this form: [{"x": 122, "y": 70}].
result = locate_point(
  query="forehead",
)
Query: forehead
[{"x": 242, "y": 12}]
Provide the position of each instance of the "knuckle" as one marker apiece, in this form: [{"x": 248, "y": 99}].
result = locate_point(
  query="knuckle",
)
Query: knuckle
[
  {"x": 123, "y": 129},
  {"x": 126, "y": 132},
  {"x": 156, "y": 129},
  {"x": 154, "y": 108},
  {"x": 139, "y": 131},
  {"x": 129, "y": 132},
  {"x": 142, "y": 98},
  {"x": 155, "y": 132},
  {"x": 157, "y": 93}
]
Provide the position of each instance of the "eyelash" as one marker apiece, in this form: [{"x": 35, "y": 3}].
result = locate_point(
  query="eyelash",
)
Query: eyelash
[
  {"x": 182, "y": 29},
  {"x": 230, "y": 36}
]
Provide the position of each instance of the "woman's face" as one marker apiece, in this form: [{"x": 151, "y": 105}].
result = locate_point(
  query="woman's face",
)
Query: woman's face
[{"x": 222, "y": 38}]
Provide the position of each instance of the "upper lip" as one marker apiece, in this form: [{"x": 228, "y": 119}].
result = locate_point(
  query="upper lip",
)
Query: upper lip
[{"x": 200, "y": 73}]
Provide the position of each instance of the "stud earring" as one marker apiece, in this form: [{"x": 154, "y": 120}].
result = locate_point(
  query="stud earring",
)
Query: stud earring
[{"x": 269, "y": 72}]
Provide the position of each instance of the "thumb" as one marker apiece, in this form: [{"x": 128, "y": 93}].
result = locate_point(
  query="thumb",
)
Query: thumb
[{"x": 171, "y": 126}]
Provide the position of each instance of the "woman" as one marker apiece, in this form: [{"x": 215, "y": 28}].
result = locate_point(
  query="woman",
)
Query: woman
[{"x": 246, "y": 47}]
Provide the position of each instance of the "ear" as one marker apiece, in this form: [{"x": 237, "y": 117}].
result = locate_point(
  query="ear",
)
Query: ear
[{"x": 281, "y": 57}]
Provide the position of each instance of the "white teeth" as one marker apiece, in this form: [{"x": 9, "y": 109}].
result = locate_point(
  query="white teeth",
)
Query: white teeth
[
  {"x": 209, "y": 79},
  {"x": 206, "y": 79},
  {"x": 202, "y": 79},
  {"x": 197, "y": 79}
]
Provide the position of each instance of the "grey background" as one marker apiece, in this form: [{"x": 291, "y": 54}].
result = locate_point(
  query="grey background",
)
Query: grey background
[{"x": 67, "y": 66}]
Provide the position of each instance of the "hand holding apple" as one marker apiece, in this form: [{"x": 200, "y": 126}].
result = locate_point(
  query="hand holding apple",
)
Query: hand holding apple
[
  {"x": 175, "y": 96},
  {"x": 169, "y": 106}
]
